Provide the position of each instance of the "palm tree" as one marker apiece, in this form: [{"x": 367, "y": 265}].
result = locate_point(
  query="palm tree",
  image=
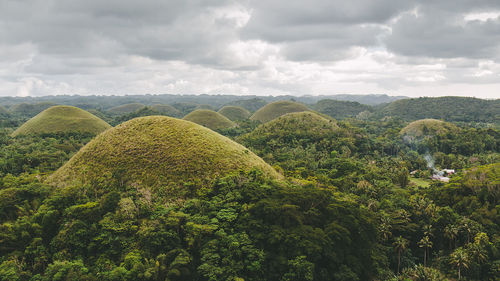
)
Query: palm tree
[
  {"x": 459, "y": 259},
  {"x": 451, "y": 233},
  {"x": 425, "y": 243},
  {"x": 400, "y": 245}
]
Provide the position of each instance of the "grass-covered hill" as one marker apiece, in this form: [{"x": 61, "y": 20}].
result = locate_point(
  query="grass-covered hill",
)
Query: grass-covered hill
[
  {"x": 126, "y": 108},
  {"x": 166, "y": 109},
  {"x": 30, "y": 109},
  {"x": 427, "y": 127},
  {"x": 157, "y": 151},
  {"x": 209, "y": 119},
  {"x": 340, "y": 109},
  {"x": 3, "y": 112},
  {"x": 251, "y": 105},
  {"x": 453, "y": 109},
  {"x": 62, "y": 119},
  {"x": 276, "y": 109},
  {"x": 235, "y": 112}
]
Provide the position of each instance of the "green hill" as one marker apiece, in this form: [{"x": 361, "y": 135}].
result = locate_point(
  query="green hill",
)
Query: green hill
[
  {"x": 251, "y": 105},
  {"x": 340, "y": 109},
  {"x": 3, "y": 112},
  {"x": 157, "y": 151},
  {"x": 62, "y": 119},
  {"x": 209, "y": 119},
  {"x": 276, "y": 109},
  {"x": 126, "y": 108},
  {"x": 167, "y": 110},
  {"x": 30, "y": 109},
  {"x": 456, "y": 109},
  {"x": 427, "y": 127},
  {"x": 235, "y": 112}
]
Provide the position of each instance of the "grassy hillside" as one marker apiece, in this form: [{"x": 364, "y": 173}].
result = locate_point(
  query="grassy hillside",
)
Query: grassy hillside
[
  {"x": 166, "y": 109},
  {"x": 458, "y": 109},
  {"x": 276, "y": 109},
  {"x": 235, "y": 112},
  {"x": 251, "y": 105},
  {"x": 62, "y": 119},
  {"x": 3, "y": 112},
  {"x": 209, "y": 119},
  {"x": 427, "y": 127},
  {"x": 157, "y": 151},
  {"x": 126, "y": 108},
  {"x": 340, "y": 109}
]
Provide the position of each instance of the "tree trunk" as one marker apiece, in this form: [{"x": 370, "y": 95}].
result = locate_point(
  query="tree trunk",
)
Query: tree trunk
[
  {"x": 459, "y": 273},
  {"x": 399, "y": 259},
  {"x": 425, "y": 257}
]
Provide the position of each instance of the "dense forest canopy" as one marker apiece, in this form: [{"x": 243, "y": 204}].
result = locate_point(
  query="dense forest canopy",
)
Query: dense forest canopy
[{"x": 350, "y": 191}]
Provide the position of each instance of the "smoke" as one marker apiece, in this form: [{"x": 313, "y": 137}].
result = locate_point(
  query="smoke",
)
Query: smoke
[{"x": 430, "y": 164}]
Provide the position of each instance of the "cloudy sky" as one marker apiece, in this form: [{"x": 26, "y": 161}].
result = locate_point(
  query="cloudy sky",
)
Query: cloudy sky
[{"x": 395, "y": 47}]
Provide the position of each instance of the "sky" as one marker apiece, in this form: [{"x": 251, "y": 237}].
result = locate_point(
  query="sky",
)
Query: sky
[{"x": 265, "y": 47}]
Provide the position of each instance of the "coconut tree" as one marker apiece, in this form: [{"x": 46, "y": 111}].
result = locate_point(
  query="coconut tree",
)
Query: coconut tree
[
  {"x": 459, "y": 259},
  {"x": 451, "y": 233},
  {"x": 400, "y": 244},
  {"x": 425, "y": 243}
]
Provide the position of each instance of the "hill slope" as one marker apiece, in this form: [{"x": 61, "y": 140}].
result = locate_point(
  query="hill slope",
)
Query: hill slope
[
  {"x": 126, "y": 108},
  {"x": 166, "y": 109},
  {"x": 276, "y": 109},
  {"x": 157, "y": 151},
  {"x": 427, "y": 127},
  {"x": 235, "y": 112},
  {"x": 209, "y": 119},
  {"x": 62, "y": 119},
  {"x": 340, "y": 109},
  {"x": 458, "y": 109},
  {"x": 30, "y": 109}
]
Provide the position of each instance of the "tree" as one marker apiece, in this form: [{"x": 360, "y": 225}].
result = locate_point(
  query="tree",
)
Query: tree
[
  {"x": 451, "y": 233},
  {"x": 425, "y": 243},
  {"x": 459, "y": 259},
  {"x": 400, "y": 244}
]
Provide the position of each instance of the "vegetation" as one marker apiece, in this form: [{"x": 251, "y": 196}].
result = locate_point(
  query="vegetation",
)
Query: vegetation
[
  {"x": 209, "y": 119},
  {"x": 29, "y": 109},
  {"x": 167, "y": 110},
  {"x": 158, "y": 198},
  {"x": 126, "y": 108},
  {"x": 276, "y": 109},
  {"x": 251, "y": 105},
  {"x": 62, "y": 119},
  {"x": 341, "y": 109},
  {"x": 154, "y": 152},
  {"x": 235, "y": 113}
]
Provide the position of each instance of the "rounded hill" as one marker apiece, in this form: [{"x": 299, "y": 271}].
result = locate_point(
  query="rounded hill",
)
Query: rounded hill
[
  {"x": 427, "y": 127},
  {"x": 276, "y": 109},
  {"x": 235, "y": 112},
  {"x": 62, "y": 119},
  {"x": 126, "y": 108},
  {"x": 209, "y": 119},
  {"x": 297, "y": 125},
  {"x": 157, "y": 151},
  {"x": 166, "y": 109}
]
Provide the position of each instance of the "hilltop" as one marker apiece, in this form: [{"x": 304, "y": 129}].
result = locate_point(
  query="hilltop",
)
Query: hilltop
[
  {"x": 166, "y": 109},
  {"x": 276, "y": 109},
  {"x": 62, "y": 119},
  {"x": 251, "y": 105},
  {"x": 340, "y": 109},
  {"x": 209, "y": 119},
  {"x": 235, "y": 112},
  {"x": 427, "y": 127},
  {"x": 126, "y": 108},
  {"x": 30, "y": 109},
  {"x": 157, "y": 151},
  {"x": 453, "y": 109}
]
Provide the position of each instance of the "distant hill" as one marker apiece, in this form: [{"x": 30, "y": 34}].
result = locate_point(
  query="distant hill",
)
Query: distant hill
[
  {"x": 167, "y": 110},
  {"x": 276, "y": 109},
  {"x": 251, "y": 105},
  {"x": 234, "y": 113},
  {"x": 30, "y": 109},
  {"x": 456, "y": 109},
  {"x": 62, "y": 119},
  {"x": 3, "y": 112},
  {"x": 427, "y": 127},
  {"x": 340, "y": 109},
  {"x": 126, "y": 108},
  {"x": 209, "y": 119},
  {"x": 157, "y": 151}
]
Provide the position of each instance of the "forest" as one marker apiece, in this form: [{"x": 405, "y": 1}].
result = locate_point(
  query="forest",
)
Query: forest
[{"x": 291, "y": 190}]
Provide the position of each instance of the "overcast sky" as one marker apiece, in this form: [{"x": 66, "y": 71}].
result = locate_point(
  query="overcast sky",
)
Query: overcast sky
[{"x": 395, "y": 47}]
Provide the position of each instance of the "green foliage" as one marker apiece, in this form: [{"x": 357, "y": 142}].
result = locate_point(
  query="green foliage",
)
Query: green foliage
[
  {"x": 341, "y": 109},
  {"x": 210, "y": 119},
  {"x": 62, "y": 120},
  {"x": 235, "y": 113},
  {"x": 126, "y": 108},
  {"x": 276, "y": 109}
]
